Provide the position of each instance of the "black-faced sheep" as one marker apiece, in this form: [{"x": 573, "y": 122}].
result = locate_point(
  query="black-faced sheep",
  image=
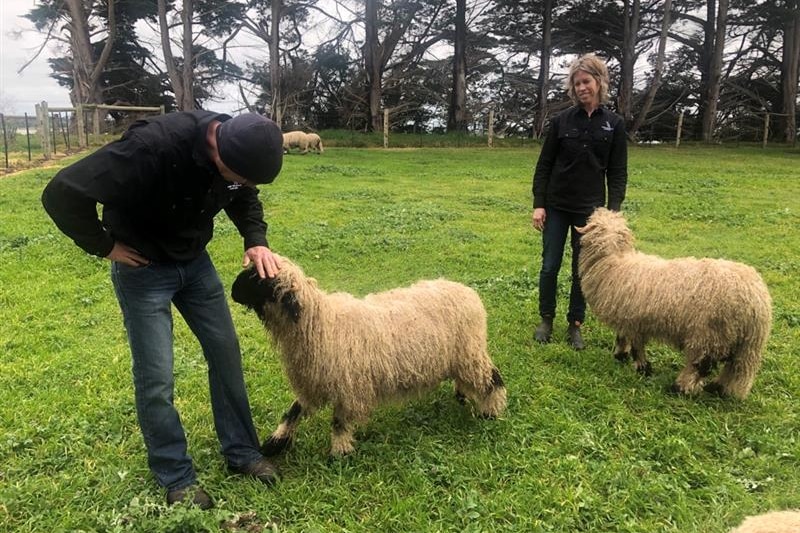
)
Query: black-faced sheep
[
  {"x": 713, "y": 310},
  {"x": 772, "y": 522},
  {"x": 357, "y": 353}
]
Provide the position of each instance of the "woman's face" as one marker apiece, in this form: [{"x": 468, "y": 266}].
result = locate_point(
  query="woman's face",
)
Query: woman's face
[{"x": 586, "y": 89}]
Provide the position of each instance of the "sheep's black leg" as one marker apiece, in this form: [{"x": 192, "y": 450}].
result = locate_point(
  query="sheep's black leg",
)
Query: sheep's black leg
[
  {"x": 640, "y": 362},
  {"x": 281, "y": 438},
  {"x": 622, "y": 349}
]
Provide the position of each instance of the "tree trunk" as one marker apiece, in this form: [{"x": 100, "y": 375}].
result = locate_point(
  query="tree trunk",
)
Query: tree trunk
[
  {"x": 275, "y": 62},
  {"x": 187, "y": 76},
  {"x": 790, "y": 64},
  {"x": 372, "y": 59},
  {"x": 175, "y": 79},
  {"x": 544, "y": 68},
  {"x": 629, "y": 36},
  {"x": 658, "y": 71},
  {"x": 86, "y": 88},
  {"x": 715, "y": 74},
  {"x": 456, "y": 120}
]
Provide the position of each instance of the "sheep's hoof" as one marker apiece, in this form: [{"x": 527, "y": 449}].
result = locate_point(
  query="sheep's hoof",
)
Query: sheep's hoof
[
  {"x": 341, "y": 452},
  {"x": 676, "y": 389},
  {"x": 461, "y": 398},
  {"x": 644, "y": 368},
  {"x": 275, "y": 446},
  {"x": 622, "y": 356},
  {"x": 714, "y": 388}
]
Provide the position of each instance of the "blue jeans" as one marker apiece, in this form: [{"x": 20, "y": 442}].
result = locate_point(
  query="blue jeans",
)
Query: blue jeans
[
  {"x": 146, "y": 295},
  {"x": 554, "y": 236}
]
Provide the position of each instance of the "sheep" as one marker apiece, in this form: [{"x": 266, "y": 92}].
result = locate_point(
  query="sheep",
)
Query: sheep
[
  {"x": 303, "y": 141},
  {"x": 355, "y": 354},
  {"x": 315, "y": 143},
  {"x": 715, "y": 311},
  {"x": 772, "y": 522}
]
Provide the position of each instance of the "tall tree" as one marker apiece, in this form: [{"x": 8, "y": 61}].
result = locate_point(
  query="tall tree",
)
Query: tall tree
[
  {"x": 544, "y": 67},
  {"x": 182, "y": 80},
  {"x": 87, "y": 67},
  {"x": 658, "y": 69},
  {"x": 630, "y": 34},
  {"x": 709, "y": 120},
  {"x": 456, "y": 117},
  {"x": 790, "y": 63}
]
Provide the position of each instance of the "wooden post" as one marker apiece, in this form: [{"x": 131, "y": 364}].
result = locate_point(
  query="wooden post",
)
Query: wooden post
[
  {"x": 82, "y": 140},
  {"x": 766, "y": 131},
  {"x": 680, "y": 126},
  {"x": 43, "y": 127},
  {"x": 386, "y": 128},
  {"x": 96, "y": 124},
  {"x": 491, "y": 127},
  {"x": 162, "y": 109}
]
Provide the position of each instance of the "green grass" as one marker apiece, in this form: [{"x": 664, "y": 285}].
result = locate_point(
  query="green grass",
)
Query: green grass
[{"x": 586, "y": 444}]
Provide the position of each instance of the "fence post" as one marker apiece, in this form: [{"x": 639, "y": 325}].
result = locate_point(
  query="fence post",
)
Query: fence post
[
  {"x": 82, "y": 140},
  {"x": 766, "y": 131},
  {"x": 96, "y": 123},
  {"x": 386, "y": 128},
  {"x": 5, "y": 137},
  {"x": 43, "y": 127},
  {"x": 491, "y": 128},
  {"x": 680, "y": 126}
]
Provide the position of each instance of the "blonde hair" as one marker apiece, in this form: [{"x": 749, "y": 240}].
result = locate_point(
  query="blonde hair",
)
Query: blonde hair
[{"x": 596, "y": 68}]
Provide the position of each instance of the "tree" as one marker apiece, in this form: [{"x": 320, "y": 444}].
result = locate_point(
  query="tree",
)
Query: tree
[
  {"x": 658, "y": 69},
  {"x": 456, "y": 117},
  {"x": 85, "y": 64},
  {"x": 790, "y": 63},
  {"x": 715, "y": 68},
  {"x": 630, "y": 34}
]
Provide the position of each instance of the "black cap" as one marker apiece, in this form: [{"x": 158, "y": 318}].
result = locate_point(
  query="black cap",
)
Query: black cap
[{"x": 252, "y": 146}]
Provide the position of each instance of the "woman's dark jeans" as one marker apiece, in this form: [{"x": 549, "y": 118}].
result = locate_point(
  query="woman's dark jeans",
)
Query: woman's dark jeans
[
  {"x": 554, "y": 236},
  {"x": 146, "y": 295}
]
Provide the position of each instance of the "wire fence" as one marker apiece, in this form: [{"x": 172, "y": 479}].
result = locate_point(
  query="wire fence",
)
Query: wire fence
[
  {"x": 57, "y": 131},
  {"x": 54, "y": 132}
]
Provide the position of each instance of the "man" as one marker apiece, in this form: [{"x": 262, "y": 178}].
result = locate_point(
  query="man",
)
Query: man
[{"x": 160, "y": 186}]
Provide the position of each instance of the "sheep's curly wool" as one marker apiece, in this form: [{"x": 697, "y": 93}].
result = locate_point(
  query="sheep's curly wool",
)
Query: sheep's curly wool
[
  {"x": 356, "y": 353},
  {"x": 772, "y": 522},
  {"x": 712, "y": 309}
]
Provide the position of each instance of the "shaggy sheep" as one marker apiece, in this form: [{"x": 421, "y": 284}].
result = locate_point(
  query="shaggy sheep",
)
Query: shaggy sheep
[
  {"x": 772, "y": 522},
  {"x": 711, "y": 309},
  {"x": 357, "y": 353},
  {"x": 303, "y": 141}
]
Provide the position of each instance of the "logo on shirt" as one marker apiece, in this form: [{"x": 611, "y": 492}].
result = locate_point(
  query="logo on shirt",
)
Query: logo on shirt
[
  {"x": 607, "y": 126},
  {"x": 234, "y": 186}
]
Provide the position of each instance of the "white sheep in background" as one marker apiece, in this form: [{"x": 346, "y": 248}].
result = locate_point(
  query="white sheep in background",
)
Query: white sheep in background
[
  {"x": 772, "y": 522},
  {"x": 713, "y": 310},
  {"x": 357, "y": 353},
  {"x": 303, "y": 141}
]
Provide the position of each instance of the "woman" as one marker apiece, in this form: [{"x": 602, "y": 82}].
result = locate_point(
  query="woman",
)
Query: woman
[{"x": 584, "y": 154}]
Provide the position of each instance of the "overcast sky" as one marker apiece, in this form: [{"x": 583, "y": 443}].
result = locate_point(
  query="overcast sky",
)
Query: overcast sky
[{"x": 19, "y": 41}]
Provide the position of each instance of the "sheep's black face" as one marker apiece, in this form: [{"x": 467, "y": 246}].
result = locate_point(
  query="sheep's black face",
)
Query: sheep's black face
[{"x": 254, "y": 292}]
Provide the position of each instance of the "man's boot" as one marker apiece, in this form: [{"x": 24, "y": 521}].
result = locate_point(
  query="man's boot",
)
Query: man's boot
[
  {"x": 574, "y": 336},
  {"x": 545, "y": 330}
]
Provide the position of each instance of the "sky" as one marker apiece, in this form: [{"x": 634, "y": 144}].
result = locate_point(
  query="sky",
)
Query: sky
[{"x": 19, "y": 41}]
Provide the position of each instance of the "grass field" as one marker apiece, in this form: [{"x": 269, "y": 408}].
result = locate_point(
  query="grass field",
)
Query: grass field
[{"x": 586, "y": 445}]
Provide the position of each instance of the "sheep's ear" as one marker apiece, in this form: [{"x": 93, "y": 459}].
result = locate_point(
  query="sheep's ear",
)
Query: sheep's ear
[{"x": 291, "y": 306}]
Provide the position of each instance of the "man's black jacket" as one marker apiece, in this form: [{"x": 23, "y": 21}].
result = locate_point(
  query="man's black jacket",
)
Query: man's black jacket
[{"x": 159, "y": 190}]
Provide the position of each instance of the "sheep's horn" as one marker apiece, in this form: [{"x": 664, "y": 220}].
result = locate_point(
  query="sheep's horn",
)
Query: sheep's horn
[{"x": 581, "y": 229}]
